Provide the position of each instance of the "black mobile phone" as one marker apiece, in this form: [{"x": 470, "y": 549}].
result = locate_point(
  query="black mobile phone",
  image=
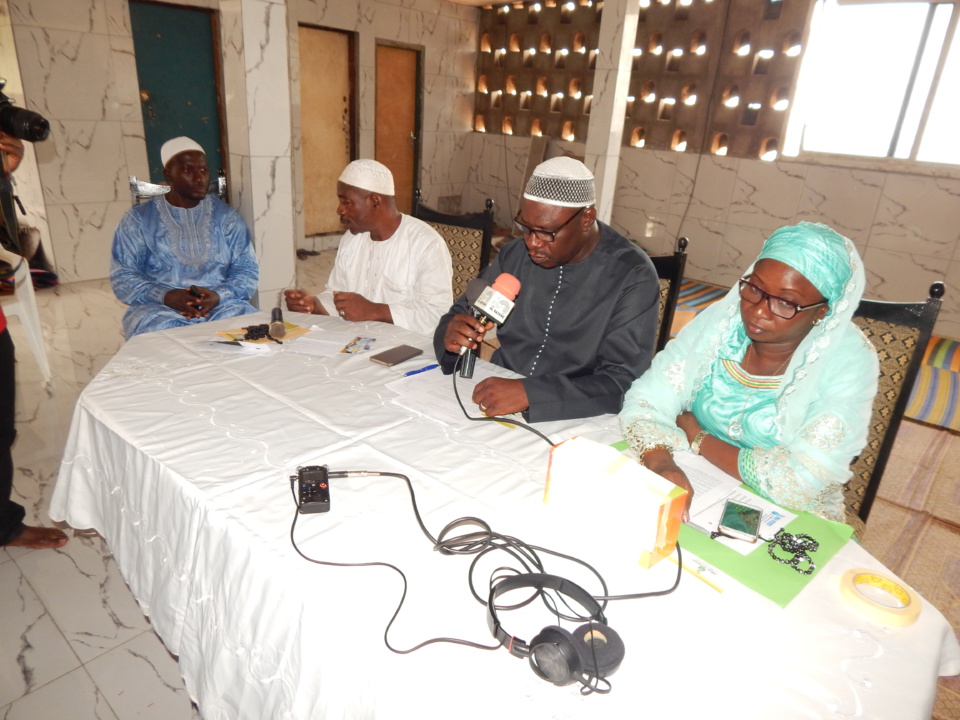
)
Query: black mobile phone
[
  {"x": 396, "y": 355},
  {"x": 740, "y": 521}
]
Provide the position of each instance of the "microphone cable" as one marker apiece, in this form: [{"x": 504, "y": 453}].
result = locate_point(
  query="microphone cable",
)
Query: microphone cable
[{"x": 491, "y": 418}]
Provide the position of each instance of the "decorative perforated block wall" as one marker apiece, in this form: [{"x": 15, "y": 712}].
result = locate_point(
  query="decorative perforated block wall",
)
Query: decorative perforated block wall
[{"x": 706, "y": 76}]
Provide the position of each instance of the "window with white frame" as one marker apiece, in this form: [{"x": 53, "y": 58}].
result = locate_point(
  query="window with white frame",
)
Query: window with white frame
[{"x": 880, "y": 79}]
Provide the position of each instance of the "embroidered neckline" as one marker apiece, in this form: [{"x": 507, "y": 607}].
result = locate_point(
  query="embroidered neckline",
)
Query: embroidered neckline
[{"x": 757, "y": 382}]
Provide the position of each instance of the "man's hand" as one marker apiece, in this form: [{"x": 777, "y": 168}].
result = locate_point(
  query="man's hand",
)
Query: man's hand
[
  {"x": 13, "y": 147},
  {"x": 207, "y": 301},
  {"x": 299, "y": 301},
  {"x": 465, "y": 331},
  {"x": 355, "y": 307},
  {"x": 499, "y": 396},
  {"x": 189, "y": 304},
  {"x": 183, "y": 302}
]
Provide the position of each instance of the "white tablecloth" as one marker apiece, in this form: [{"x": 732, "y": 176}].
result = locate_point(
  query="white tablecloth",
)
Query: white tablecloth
[{"x": 181, "y": 456}]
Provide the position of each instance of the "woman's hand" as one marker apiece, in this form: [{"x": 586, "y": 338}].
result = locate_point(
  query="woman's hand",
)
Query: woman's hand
[
  {"x": 661, "y": 461},
  {"x": 688, "y": 423}
]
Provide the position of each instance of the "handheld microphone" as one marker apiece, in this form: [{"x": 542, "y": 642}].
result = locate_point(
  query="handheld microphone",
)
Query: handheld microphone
[
  {"x": 277, "y": 328},
  {"x": 494, "y": 303}
]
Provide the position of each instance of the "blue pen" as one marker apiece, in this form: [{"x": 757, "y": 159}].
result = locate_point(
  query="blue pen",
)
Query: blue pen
[{"x": 423, "y": 369}]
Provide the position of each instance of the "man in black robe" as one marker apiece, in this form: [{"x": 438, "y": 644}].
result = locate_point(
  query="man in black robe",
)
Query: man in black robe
[{"x": 584, "y": 325}]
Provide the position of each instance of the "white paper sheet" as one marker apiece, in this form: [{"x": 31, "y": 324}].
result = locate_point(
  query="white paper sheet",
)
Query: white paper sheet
[
  {"x": 712, "y": 488},
  {"x": 320, "y": 342}
]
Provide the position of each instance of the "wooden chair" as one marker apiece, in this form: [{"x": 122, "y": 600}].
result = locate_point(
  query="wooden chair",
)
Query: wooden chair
[
  {"x": 469, "y": 238},
  {"x": 140, "y": 190},
  {"x": 900, "y": 332},
  {"x": 670, "y": 271}
]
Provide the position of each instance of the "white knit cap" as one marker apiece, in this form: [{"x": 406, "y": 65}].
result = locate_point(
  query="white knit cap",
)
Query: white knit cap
[
  {"x": 561, "y": 181},
  {"x": 176, "y": 146},
  {"x": 368, "y": 175}
]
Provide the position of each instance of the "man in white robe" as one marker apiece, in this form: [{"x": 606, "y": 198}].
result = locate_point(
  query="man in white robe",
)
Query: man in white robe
[{"x": 390, "y": 267}]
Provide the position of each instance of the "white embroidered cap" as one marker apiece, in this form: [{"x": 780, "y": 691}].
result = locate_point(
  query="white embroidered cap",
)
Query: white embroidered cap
[
  {"x": 176, "y": 146},
  {"x": 368, "y": 175},
  {"x": 562, "y": 181}
]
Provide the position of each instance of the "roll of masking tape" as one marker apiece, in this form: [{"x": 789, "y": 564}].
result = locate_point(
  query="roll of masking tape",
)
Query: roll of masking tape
[{"x": 880, "y": 599}]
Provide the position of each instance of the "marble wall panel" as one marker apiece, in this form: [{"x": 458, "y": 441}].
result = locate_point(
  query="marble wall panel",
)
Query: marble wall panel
[
  {"x": 920, "y": 213},
  {"x": 64, "y": 73},
  {"x": 646, "y": 179},
  {"x": 84, "y": 236},
  {"x": 739, "y": 247},
  {"x": 713, "y": 181},
  {"x": 948, "y": 324},
  {"x": 703, "y": 250},
  {"x": 84, "y": 16},
  {"x": 340, "y": 14},
  {"x": 265, "y": 41},
  {"x": 648, "y": 230},
  {"x": 78, "y": 162},
  {"x": 844, "y": 199},
  {"x": 118, "y": 17},
  {"x": 766, "y": 195},
  {"x": 135, "y": 149},
  {"x": 273, "y": 224},
  {"x": 903, "y": 276},
  {"x": 234, "y": 82},
  {"x": 27, "y": 178},
  {"x": 447, "y": 104}
]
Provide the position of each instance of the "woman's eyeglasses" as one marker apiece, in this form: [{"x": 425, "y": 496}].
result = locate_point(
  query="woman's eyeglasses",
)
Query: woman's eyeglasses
[
  {"x": 547, "y": 236},
  {"x": 778, "y": 306}
]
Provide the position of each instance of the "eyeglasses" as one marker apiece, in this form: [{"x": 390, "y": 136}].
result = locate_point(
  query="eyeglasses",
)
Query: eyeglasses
[
  {"x": 778, "y": 306},
  {"x": 547, "y": 236}
]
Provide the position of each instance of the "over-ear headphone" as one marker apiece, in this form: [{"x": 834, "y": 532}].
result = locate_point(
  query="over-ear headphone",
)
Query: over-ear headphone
[{"x": 594, "y": 650}]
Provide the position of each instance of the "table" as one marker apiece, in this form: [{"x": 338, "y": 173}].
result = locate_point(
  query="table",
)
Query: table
[{"x": 181, "y": 457}]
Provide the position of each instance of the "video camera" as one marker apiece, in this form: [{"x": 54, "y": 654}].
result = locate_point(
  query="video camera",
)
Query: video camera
[{"x": 24, "y": 124}]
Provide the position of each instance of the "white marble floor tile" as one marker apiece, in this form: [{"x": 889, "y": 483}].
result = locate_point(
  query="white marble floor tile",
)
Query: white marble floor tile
[
  {"x": 83, "y": 591},
  {"x": 34, "y": 650},
  {"x": 72, "y": 697},
  {"x": 140, "y": 679}
]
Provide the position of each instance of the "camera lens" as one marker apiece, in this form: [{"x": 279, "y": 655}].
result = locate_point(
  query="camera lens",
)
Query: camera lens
[{"x": 24, "y": 124}]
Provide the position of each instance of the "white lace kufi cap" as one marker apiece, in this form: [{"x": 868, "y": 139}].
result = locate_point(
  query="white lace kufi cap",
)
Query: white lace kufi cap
[
  {"x": 176, "y": 146},
  {"x": 562, "y": 181},
  {"x": 368, "y": 175}
]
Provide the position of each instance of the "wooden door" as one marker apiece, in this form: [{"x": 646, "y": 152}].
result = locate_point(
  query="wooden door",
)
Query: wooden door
[
  {"x": 398, "y": 118},
  {"x": 326, "y": 121},
  {"x": 176, "y": 52}
]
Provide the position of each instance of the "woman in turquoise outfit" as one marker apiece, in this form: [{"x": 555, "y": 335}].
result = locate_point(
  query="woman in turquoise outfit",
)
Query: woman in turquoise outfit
[{"x": 773, "y": 384}]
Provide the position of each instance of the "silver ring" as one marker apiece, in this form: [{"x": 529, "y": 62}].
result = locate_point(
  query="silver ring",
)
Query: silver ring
[
  {"x": 482, "y": 406},
  {"x": 342, "y": 314}
]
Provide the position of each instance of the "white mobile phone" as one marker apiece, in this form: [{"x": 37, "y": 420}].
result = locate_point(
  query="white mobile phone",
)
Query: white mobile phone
[{"x": 740, "y": 521}]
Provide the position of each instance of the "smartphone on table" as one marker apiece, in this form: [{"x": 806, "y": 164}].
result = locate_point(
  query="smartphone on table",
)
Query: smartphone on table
[
  {"x": 396, "y": 355},
  {"x": 740, "y": 521}
]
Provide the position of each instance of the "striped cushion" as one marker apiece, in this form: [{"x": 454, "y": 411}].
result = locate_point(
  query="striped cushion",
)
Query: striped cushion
[
  {"x": 934, "y": 397},
  {"x": 943, "y": 353}
]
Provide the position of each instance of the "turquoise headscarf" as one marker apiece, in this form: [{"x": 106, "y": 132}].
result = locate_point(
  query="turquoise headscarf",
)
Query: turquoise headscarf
[{"x": 816, "y": 252}]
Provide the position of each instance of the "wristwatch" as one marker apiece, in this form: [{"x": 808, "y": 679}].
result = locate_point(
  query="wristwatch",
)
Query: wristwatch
[{"x": 695, "y": 445}]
